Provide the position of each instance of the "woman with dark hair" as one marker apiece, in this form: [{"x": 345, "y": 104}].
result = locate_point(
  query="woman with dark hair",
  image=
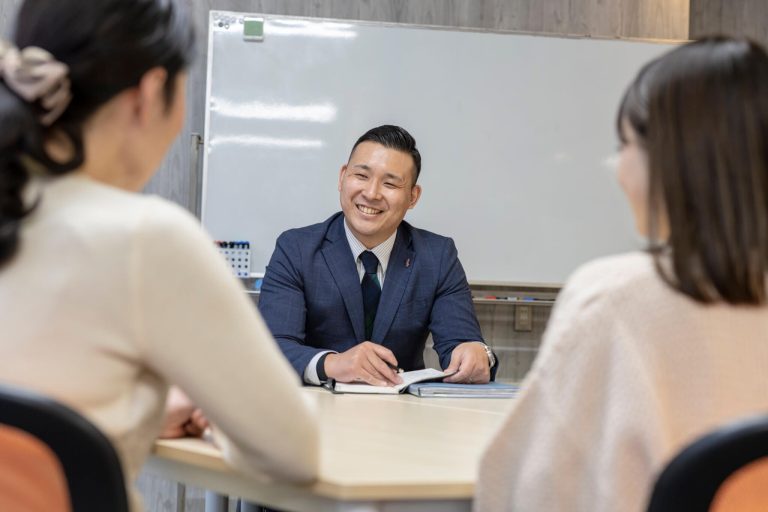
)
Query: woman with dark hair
[
  {"x": 647, "y": 351},
  {"x": 106, "y": 295}
]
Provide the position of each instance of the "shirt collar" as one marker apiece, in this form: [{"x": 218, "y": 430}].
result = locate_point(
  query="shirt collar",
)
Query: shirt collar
[{"x": 382, "y": 251}]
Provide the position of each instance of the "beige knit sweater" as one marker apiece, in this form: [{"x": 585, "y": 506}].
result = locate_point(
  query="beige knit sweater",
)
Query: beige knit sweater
[
  {"x": 629, "y": 372},
  {"x": 113, "y": 296}
]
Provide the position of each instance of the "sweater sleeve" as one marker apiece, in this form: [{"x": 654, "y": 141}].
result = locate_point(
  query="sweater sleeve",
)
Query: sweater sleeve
[
  {"x": 581, "y": 435},
  {"x": 199, "y": 330}
]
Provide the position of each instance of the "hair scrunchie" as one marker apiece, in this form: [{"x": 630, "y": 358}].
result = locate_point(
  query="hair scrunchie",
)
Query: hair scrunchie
[{"x": 34, "y": 74}]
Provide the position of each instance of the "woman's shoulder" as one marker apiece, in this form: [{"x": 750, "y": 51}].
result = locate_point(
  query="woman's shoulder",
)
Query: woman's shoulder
[
  {"x": 87, "y": 207},
  {"x": 161, "y": 214},
  {"x": 151, "y": 212},
  {"x": 162, "y": 223},
  {"x": 598, "y": 298},
  {"x": 616, "y": 270},
  {"x": 610, "y": 277}
]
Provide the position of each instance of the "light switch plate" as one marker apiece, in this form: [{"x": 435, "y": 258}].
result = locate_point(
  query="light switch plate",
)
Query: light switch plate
[{"x": 523, "y": 318}]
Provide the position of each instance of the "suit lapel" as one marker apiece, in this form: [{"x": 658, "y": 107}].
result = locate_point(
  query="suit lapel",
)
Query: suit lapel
[
  {"x": 398, "y": 273},
  {"x": 338, "y": 257}
]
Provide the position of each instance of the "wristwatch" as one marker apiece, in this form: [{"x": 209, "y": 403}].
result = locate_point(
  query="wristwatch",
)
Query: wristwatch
[{"x": 491, "y": 356}]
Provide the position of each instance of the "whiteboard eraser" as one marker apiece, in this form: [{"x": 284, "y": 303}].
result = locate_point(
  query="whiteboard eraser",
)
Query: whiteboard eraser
[{"x": 253, "y": 29}]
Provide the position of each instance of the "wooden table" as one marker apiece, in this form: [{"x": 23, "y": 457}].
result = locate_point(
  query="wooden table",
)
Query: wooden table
[{"x": 378, "y": 453}]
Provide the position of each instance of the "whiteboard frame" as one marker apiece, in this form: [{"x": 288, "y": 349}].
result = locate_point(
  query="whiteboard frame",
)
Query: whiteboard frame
[{"x": 265, "y": 16}]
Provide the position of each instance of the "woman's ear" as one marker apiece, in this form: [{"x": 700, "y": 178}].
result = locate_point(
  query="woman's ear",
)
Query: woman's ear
[{"x": 150, "y": 97}]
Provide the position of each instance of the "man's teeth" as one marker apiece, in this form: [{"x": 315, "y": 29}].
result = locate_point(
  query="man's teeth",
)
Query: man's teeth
[{"x": 369, "y": 211}]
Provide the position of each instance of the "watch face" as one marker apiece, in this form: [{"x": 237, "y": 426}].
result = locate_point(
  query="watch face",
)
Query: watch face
[{"x": 491, "y": 357}]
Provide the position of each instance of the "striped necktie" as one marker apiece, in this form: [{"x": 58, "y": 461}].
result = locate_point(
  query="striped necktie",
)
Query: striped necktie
[{"x": 371, "y": 290}]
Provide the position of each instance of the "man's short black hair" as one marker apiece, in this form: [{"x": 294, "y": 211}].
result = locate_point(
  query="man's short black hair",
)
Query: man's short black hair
[{"x": 393, "y": 137}]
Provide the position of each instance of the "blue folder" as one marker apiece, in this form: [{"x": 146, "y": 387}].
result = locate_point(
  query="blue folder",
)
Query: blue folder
[{"x": 447, "y": 390}]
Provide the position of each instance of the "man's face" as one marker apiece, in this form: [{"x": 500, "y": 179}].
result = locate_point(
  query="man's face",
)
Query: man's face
[{"x": 376, "y": 189}]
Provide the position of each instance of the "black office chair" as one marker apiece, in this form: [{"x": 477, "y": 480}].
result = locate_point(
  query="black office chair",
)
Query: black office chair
[
  {"x": 715, "y": 468},
  {"x": 94, "y": 476}
]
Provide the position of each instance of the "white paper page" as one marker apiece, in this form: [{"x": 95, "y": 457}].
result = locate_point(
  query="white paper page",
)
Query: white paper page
[{"x": 408, "y": 379}]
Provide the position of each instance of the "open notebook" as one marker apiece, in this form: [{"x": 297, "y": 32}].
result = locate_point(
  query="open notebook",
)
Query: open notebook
[{"x": 428, "y": 374}]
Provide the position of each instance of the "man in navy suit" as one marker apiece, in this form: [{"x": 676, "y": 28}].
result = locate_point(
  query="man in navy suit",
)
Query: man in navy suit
[{"x": 355, "y": 297}]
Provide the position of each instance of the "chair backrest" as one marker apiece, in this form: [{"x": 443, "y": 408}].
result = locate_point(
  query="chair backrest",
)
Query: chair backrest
[
  {"x": 31, "y": 477},
  {"x": 744, "y": 491},
  {"x": 726, "y": 470},
  {"x": 91, "y": 468}
]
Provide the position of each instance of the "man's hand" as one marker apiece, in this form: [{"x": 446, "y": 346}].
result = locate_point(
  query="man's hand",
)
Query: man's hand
[
  {"x": 366, "y": 362},
  {"x": 182, "y": 417},
  {"x": 470, "y": 362}
]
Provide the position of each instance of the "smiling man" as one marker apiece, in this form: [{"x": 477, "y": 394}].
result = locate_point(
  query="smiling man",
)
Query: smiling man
[{"x": 355, "y": 297}]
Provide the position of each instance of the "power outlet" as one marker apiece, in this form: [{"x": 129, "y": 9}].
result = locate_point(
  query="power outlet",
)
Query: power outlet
[{"x": 523, "y": 318}]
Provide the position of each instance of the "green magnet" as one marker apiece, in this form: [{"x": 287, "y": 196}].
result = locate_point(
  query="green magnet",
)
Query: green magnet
[{"x": 253, "y": 29}]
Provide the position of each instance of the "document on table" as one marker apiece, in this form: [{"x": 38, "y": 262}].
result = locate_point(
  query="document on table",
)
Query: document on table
[{"x": 428, "y": 374}]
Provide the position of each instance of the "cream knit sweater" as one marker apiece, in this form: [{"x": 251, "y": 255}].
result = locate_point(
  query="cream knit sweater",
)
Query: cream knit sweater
[
  {"x": 629, "y": 372},
  {"x": 115, "y": 295}
]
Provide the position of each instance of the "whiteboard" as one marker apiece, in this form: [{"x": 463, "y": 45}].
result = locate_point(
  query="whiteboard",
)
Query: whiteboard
[{"x": 516, "y": 132}]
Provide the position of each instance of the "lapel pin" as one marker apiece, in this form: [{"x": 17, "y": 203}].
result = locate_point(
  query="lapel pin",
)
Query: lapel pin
[{"x": 407, "y": 262}]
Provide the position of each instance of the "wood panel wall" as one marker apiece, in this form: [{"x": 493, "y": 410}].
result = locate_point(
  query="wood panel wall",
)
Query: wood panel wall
[{"x": 734, "y": 17}]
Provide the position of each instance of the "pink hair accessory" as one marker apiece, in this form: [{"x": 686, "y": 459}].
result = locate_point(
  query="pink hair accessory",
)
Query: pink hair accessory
[{"x": 35, "y": 75}]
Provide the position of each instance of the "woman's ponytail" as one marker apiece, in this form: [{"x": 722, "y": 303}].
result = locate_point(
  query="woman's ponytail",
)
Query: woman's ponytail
[
  {"x": 53, "y": 80},
  {"x": 17, "y": 122}
]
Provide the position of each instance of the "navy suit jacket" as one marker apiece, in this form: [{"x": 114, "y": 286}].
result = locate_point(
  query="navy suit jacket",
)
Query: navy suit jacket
[{"x": 312, "y": 301}]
